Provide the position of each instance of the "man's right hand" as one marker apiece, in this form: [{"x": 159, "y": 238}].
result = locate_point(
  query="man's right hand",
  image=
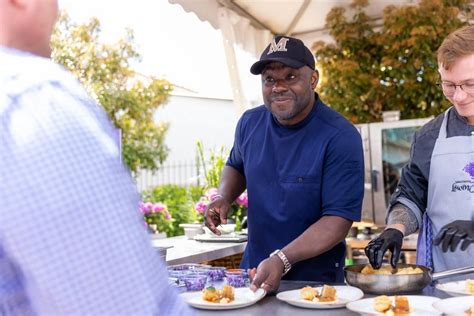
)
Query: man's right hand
[
  {"x": 390, "y": 239},
  {"x": 216, "y": 214}
]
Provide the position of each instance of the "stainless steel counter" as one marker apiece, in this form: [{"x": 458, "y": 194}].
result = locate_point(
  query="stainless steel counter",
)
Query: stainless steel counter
[
  {"x": 270, "y": 305},
  {"x": 185, "y": 250}
]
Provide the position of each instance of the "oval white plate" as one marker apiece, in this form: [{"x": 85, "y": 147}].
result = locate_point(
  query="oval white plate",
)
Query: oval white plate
[
  {"x": 454, "y": 305},
  {"x": 419, "y": 305},
  {"x": 345, "y": 294},
  {"x": 455, "y": 288},
  {"x": 243, "y": 297}
]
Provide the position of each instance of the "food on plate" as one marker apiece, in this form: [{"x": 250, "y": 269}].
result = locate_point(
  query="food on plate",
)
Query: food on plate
[
  {"x": 387, "y": 269},
  {"x": 308, "y": 293},
  {"x": 328, "y": 294},
  {"x": 384, "y": 304},
  {"x": 470, "y": 311},
  {"x": 470, "y": 286},
  {"x": 213, "y": 295}
]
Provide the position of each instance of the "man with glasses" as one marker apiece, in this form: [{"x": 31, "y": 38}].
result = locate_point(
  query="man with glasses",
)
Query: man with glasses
[{"x": 436, "y": 191}]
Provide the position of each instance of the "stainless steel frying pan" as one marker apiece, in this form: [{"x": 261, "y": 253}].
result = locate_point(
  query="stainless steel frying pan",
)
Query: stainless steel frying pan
[{"x": 397, "y": 283}]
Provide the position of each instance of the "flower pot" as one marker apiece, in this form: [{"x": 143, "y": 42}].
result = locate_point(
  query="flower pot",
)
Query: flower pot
[{"x": 191, "y": 230}]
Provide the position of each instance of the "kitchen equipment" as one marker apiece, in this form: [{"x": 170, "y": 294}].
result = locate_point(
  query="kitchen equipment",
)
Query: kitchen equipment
[{"x": 396, "y": 283}]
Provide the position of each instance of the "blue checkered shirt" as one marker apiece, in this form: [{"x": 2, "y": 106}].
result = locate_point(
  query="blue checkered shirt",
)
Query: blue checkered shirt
[{"x": 71, "y": 238}]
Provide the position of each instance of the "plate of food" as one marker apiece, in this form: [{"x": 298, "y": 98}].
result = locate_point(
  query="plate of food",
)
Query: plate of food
[
  {"x": 462, "y": 305},
  {"x": 412, "y": 305},
  {"x": 322, "y": 297},
  {"x": 457, "y": 288},
  {"x": 223, "y": 298}
]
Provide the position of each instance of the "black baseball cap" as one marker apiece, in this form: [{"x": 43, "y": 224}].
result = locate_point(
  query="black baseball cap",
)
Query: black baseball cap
[{"x": 287, "y": 50}]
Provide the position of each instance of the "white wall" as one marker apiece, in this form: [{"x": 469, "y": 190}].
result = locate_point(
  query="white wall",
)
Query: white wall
[{"x": 191, "y": 119}]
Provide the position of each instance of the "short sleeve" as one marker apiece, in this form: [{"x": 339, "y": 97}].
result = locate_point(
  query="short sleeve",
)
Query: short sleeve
[{"x": 343, "y": 176}]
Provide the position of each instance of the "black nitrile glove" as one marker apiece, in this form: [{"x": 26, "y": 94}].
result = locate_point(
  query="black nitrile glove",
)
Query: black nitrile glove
[
  {"x": 391, "y": 239},
  {"x": 453, "y": 233}
]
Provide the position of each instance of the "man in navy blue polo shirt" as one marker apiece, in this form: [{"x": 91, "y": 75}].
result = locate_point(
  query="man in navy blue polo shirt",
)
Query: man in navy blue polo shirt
[{"x": 302, "y": 165}]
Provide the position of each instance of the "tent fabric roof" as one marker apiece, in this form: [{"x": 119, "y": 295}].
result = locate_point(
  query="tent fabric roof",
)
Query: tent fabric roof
[{"x": 258, "y": 20}]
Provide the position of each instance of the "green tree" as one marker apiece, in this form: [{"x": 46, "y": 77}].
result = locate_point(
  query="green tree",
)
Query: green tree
[
  {"x": 129, "y": 99},
  {"x": 373, "y": 68}
]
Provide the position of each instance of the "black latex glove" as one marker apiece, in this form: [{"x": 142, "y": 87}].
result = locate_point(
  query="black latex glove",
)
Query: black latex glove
[
  {"x": 453, "y": 233},
  {"x": 390, "y": 239}
]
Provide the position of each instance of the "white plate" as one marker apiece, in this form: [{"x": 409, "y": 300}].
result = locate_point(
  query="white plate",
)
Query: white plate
[
  {"x": 455, "y": 288},
  {"x": 243, "y": 297},
  {"x": 454, "y": 305},
  {"x": 345, "y": 294},
  {"x": 419, "y": 305}
]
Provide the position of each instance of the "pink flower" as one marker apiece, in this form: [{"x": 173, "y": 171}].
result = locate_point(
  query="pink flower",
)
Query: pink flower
[
  {"x": 145, "y": 208},
  {"x": 243, "y": 199},
  {"x": 211, "y": 193},
  {"x": 200, "y": 207},
  {"x": 159, "y": 207},
  {"x": 167, "y": 215}
]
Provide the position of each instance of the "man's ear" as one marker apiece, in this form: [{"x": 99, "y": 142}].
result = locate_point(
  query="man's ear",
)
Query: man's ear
[{"x": 314, "y": 79}]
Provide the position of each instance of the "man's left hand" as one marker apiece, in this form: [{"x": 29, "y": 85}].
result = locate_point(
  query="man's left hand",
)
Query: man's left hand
[
  {"x": 268, "y": 275},
  {"x": 453, "y": 233}
]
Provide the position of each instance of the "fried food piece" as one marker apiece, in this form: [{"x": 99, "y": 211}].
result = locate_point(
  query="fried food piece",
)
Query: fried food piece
[
  {"x": 367, "y": 270},
  {"x": 328, "y": 294},
  {"x": 227, "y": 292},
  {"x": 469, "y": 311},
  {"x": 210, "y": 294},
  {"x": 401, "y": 307},
  {"x": 387, "y": 269},
  {"x": 382, "y": 303},
  {"x": 470, "y": 286},
  {"x": 308, "y": 293}
]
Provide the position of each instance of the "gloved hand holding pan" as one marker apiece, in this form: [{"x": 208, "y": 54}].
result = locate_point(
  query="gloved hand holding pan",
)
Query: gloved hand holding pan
[{"x": 389, "y": 284}]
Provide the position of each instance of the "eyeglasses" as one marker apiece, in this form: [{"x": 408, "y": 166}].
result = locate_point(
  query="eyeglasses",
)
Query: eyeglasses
[{"x": 449, "y": 88}]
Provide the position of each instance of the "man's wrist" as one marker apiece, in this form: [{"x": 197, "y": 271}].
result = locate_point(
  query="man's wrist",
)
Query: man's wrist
[
  {"x": 286, "y": 263},
  {"x": 215, "y": 197}
]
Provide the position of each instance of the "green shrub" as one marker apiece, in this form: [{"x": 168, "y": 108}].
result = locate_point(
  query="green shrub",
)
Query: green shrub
[{"x": 179, "y": 201}]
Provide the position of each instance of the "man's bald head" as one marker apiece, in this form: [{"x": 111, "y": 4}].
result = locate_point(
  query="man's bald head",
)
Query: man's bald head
[{"x": 27, "y": 25}]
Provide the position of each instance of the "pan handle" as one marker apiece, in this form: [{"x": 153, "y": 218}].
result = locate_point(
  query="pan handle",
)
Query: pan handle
[{"x": 444, "y": 274}]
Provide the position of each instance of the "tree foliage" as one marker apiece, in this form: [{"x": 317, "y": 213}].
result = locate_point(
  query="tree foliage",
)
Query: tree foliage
[
  {"x": 129, "y": 99},
  {"x": 374, "y": 68}
]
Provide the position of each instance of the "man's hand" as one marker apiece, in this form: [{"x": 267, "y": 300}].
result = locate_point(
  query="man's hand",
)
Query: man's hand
[
  {"x": 216, "y": 214},
  {"x": 268, "y": 275},
  {"x": 453, "y": 233},
  {"x": 390, "y": 239}
]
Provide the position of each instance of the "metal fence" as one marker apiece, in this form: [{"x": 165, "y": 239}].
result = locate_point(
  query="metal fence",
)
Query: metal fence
[{"x": 183, "y": 173}]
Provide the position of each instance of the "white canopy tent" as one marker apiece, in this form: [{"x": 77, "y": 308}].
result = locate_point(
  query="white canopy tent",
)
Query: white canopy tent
[{"x": 252, "y": 23}]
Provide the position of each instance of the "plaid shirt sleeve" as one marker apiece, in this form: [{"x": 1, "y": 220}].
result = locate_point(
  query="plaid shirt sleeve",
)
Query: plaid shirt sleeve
[{"x": 71, "y": 238}]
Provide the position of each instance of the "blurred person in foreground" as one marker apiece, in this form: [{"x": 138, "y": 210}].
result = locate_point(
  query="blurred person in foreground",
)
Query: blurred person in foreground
[
  {"x": 302, "y": 165},
  {"x": 71, "y": 238},
  {"x": 436, "y": 191}
]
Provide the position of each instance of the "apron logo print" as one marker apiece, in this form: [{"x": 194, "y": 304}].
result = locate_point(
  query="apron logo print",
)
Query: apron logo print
[
  {"x": 469, "y": 169},
  {"x": 465, "y": 185}
]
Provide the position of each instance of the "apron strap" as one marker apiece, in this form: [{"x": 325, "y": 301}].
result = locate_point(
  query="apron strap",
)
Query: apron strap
[{"x": 424, "y": 251}]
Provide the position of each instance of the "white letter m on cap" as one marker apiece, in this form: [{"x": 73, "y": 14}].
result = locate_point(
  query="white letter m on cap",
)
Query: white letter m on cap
[{"x": 280, "y": 47}]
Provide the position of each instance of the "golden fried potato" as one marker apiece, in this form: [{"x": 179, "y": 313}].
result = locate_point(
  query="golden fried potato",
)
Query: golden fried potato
[
  {"x": 382, "y": 303},
  {"x": 401, "y": 307},
  {"x": 328, "y": 294},
  {"x": 308, "y": 293},
  {"x": 387, "y": 269},
  {"x": 210, "y": 294}
]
